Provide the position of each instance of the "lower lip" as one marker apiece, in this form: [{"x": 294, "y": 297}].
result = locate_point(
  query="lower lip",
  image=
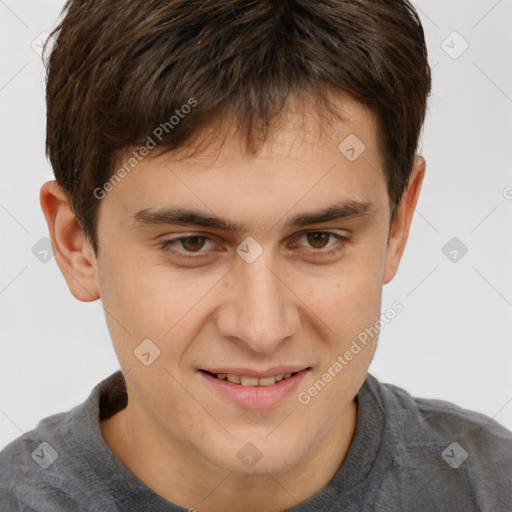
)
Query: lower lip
[{"x": 255, "y": 397}]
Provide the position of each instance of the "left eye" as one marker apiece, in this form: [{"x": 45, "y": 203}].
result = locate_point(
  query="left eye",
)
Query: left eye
[{"x": 318, "y": 239}]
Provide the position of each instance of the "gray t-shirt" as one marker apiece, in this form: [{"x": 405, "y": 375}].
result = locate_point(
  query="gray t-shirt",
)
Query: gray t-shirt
[{"x": 408, "y": 454}]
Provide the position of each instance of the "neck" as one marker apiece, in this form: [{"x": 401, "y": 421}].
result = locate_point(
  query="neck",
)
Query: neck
[{"x": 157, "y": 460}]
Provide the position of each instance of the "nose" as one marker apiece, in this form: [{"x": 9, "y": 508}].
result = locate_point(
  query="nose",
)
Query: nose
[{"x": 259, "y": 308}]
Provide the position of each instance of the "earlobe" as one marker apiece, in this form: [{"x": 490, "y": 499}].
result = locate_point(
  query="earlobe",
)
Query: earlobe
[
  {"x": 402, "y": 223},
  {"x": 70, "y": 246}
]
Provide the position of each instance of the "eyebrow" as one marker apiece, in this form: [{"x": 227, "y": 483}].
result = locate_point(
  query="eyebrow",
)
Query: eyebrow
[{"x": 184, "y": 216}]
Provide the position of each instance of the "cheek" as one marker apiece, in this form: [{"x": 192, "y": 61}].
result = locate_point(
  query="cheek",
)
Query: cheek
[
  {"x": 143, "y": 295},
  {"x": 149, "y": 301},
  {"x": 349, "y": 307},
  {"x": 346, "y": 301}
]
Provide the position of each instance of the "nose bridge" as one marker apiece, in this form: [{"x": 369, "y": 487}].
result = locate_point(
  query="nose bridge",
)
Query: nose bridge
[{"x": 261, "y": 313}]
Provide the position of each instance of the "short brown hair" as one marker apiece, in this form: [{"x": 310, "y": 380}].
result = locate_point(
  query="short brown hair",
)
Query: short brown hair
[{"x": 121, "y": 68}]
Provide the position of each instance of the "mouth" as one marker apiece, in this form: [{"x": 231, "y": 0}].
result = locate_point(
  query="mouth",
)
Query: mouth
[
  {"x": 248, "y": 389},
  {"x": 246, "y": 380}
]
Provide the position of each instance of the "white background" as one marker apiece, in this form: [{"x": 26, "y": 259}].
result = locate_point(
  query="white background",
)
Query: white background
[{"x": 452, "y": 341}]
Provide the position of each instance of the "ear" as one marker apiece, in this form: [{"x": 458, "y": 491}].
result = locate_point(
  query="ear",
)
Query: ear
[
  {"x": 402, "y": 223},
  {"x": 73, "y": 252}
]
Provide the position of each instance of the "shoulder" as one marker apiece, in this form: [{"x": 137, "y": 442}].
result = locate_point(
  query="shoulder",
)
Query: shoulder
[
  {"x": 28, "y": 482},
  {"x": 63, "y": 464},
  {"x": 444, "y": 420},
  {"x": 442, "y": 454}
]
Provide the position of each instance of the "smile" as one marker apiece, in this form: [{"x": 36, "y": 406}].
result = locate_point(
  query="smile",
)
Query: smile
[
  {"x": 244, "y": 380},
  {"x": 267, "y": 390}
]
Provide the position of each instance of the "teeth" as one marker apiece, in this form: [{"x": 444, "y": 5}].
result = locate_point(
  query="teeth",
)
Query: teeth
[
  {"x": 249, "y": 381},
  {"x": 252, "y": 381}
]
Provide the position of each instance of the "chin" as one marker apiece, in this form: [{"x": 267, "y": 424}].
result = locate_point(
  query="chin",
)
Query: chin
[{"x": 261, "y": 456}]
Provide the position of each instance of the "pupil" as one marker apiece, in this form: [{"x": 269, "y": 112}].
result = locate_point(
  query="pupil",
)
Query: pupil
[
  {"x": 314, "y": 238},
  {"x": 195, "y": 246}
]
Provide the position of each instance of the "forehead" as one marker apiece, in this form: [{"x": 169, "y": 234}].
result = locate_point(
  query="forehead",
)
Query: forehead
[
  {"x": 304, "y": 161},
  {"x": 302, "y": 129}
]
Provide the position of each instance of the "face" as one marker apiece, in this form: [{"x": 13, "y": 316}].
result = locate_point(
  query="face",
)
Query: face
[{"x": 284, "y": 293}]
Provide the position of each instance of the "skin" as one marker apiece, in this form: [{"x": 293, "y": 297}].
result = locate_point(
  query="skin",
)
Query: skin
[{"x": 287, "y": 307}]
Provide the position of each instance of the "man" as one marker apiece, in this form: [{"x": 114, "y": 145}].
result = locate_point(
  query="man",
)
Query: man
[{"x": 236, "y": 181}]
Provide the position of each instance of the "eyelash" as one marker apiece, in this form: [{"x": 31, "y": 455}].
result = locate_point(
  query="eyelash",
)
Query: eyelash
[{"x": 166, "y": 244}]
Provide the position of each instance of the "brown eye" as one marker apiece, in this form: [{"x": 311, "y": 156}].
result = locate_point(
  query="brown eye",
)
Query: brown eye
[
  {"x": 186, "y": 246},
  {"x": 321, "y": 243},
  {"x": 192, "y": 243},
  {"x": 318, "y": 240}
]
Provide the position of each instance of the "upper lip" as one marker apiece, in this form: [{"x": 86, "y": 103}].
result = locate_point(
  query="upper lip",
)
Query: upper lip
[{"x": 260, "y": 374}]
